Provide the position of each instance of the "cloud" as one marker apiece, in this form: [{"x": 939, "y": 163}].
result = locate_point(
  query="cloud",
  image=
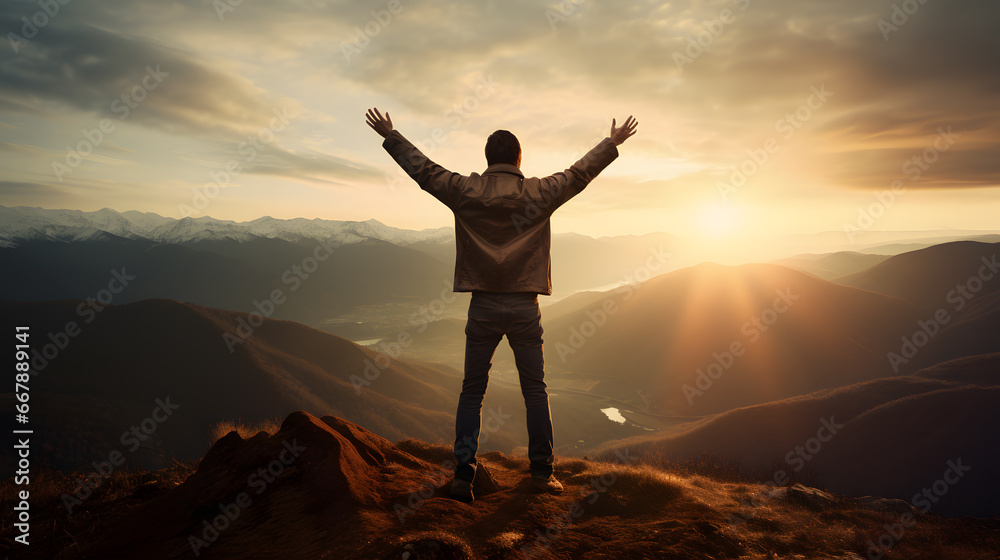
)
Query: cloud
[
  {"x": 142, "y": 81},
  {"x": 33, "y": 194},
  {"x": 312, "y": 166},
  {"x": 939, "y": 69},
  {"x": 560, "y": 81},
  {"x": 113, "y": 76}
]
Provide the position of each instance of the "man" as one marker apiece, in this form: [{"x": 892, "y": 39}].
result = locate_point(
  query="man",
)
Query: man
[{"x": 502, "y": 238}]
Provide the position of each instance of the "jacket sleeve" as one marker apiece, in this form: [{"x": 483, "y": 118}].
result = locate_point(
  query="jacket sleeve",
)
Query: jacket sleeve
[
  {"x": 444, "y": 185},
  {"x": 558, "y": 188}
]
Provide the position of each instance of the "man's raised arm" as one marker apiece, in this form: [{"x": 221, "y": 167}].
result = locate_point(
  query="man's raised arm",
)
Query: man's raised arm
[
  {"x": 562, "y": 186},
  {"x": 444, "y": 185},
  {"x": 618, "y": 135}
]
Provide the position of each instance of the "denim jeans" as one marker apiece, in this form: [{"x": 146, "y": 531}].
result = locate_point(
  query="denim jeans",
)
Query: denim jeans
[{"x": 491, "y": 316}]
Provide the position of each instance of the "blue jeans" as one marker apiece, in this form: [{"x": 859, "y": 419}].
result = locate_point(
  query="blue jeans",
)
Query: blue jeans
[{"x": 491, "y": 316}]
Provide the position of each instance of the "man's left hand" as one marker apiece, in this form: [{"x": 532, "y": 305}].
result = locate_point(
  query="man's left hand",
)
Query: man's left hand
[{"x": 381, "y": 125}]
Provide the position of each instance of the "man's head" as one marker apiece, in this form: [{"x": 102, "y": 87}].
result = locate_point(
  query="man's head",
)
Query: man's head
[{"x": 503, "y": 147}]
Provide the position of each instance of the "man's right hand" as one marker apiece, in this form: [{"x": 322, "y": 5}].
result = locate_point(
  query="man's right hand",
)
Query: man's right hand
[{"x": 623, "y": 132}]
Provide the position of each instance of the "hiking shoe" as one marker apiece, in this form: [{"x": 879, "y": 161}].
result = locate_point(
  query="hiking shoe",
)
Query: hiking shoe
[
  {"x": 461, "y": 490},
  {"x": 550, "y": 484}
]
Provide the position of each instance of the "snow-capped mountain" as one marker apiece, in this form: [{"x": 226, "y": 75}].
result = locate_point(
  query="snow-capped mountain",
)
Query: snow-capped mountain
[{"x": 21, "y": 223}]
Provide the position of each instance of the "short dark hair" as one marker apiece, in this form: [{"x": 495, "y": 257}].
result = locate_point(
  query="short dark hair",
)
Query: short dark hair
[{"x": 502, "y": 147}]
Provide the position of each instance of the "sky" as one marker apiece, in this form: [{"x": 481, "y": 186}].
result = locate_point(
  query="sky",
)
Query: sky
[{"x": 756, "y": 117}]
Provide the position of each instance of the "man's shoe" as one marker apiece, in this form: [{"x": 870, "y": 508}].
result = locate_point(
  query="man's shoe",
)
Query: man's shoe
[
  {"x": 550, "y": 484},
  {"x": 461, "y": 490}
]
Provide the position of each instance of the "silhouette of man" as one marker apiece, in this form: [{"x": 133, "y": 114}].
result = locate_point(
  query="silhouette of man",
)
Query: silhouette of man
[{"x": 502, "y": 239}]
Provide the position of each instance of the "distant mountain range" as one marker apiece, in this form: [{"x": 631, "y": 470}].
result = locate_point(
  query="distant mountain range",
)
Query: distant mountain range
[
  {"x": 374, "y": 279},
  {"x": 227, "y": 274},
  {"x": 18, "y": 224},
  {"x": 830, "y": 266}
]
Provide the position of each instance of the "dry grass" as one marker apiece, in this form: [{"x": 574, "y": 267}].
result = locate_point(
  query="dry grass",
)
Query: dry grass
[
  {"x": 637, "y": 512},
  {"x": 246, "y": 430},
  {"x": 717, "y": 468},
  {"x": 55, "y": 530}
]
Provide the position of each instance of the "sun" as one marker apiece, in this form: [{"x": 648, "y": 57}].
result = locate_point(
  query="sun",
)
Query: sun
[{"x": 718, "y": 220}]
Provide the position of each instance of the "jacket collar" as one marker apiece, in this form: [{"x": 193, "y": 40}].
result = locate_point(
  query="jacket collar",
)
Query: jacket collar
[{"x": 503, "y": 168}]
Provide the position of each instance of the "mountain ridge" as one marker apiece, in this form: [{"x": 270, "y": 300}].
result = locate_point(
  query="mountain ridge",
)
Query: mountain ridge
[{"x": 25, "y": 223}]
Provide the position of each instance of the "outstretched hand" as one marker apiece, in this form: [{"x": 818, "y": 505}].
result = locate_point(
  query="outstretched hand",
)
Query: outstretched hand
[
  {"x": 381, "y": 125},
  {"x": 623, "y": 132}
]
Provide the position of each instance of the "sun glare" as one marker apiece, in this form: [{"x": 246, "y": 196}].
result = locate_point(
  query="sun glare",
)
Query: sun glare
[{"x": 718, "y": 220}]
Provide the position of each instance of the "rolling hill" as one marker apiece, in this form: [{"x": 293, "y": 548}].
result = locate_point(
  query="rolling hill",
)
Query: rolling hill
[
  {"x": 928, "y": 277},
  {"x": 710, "y": 338},
  {"x": 890, "y": 437},
  {"x": 108, "y": 373},
  {"x": 830, "y": 266},
  {"x": 956, "y": 289}
]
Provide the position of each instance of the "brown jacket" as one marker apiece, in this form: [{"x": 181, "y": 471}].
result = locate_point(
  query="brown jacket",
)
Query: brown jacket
[{"x": 502, "y": 235}]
